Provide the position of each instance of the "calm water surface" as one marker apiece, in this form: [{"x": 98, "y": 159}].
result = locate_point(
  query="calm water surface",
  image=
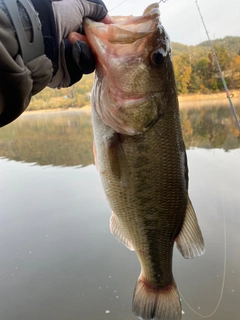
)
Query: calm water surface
[{"x": 58, "y": 260}]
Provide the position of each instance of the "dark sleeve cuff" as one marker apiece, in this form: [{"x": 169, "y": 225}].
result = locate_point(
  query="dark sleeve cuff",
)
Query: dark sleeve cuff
[
  {"x": 50, "y": 38},
  {"x": 74, "y": 72}
]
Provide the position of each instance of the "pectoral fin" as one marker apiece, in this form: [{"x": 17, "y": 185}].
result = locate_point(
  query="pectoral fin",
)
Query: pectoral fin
[
  {"x": 190, "y": 240},
  {"x": 117, "y": 158},
  {"x": 118, "y": 232}
]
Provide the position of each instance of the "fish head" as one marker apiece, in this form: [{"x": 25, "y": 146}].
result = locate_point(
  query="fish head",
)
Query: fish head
[{"x": 133, "y": 71}]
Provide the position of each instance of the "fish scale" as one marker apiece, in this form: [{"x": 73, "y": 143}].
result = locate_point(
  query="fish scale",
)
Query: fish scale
[
  {"x": 141, "y": 155},
  {"x": 144, "y": 196}
]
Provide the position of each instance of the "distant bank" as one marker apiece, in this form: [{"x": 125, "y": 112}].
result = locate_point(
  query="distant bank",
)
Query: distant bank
[
  {"x": 202, "y": 100},
  {"x": 185, "y": 100}
]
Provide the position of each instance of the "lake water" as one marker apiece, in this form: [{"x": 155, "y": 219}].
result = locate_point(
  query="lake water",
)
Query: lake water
[{"x": 58, "y": 259}]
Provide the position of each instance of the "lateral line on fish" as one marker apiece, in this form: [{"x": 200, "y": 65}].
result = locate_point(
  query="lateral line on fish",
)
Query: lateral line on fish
[{"x": 224, "y": 273}]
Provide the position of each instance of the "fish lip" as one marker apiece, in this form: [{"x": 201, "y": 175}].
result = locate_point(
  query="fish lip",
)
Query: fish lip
[
  {"x": 152, "y": 16},
  {"x": 112, "y": 114},
  {"x": 122, "y": 95},
  {"x": 129, "y": 101}
]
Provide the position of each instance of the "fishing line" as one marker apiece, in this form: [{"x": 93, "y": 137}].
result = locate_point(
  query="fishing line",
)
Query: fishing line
[
  {"x": 117, "y": 5},
  {"x": 224, "y": 272},
  {"x": 164, "y": 1}
]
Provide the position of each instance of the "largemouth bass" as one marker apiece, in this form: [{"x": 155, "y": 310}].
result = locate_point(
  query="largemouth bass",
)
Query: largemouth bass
[{"x": 140, "y": 154}]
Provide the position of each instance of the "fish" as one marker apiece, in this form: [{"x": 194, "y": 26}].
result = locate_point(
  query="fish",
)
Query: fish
[{"x": 140, "y": 154}]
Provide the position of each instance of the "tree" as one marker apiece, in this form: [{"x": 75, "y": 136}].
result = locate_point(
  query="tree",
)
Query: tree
[
  {"x": 223, "y": 57},
  {"x": 235, "y": 76},
  {"x": 182, "y": 71},
  {"x": 204, "y": 72}
]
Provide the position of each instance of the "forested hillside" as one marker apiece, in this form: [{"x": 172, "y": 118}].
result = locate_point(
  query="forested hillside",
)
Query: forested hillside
[
  {"x": 232, "y": 44},
  {"x": 195, "y": 72}
]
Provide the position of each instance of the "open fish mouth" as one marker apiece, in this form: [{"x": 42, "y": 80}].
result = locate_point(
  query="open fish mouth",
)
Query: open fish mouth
[{"x": 125, "y": 39}]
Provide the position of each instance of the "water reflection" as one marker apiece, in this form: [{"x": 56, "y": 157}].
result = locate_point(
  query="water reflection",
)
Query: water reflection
[
  {"x": 65, "y": 138},
  {"x": 58, "y": 259},
  {"x": 57, "y": 138},
  {"x": 210, "y": 127}
]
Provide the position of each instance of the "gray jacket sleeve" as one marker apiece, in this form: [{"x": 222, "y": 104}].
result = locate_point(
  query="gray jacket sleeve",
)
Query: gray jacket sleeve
[
  {"x": 19, "y": 81},
  {"x": 16, "y": 79}
]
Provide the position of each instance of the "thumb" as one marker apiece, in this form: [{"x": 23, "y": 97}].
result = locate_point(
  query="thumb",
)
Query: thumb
[{"x": 75, "y": 36}]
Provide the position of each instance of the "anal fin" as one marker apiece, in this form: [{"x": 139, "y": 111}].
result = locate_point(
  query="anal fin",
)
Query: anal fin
[
  {"x": 118, "y": 232},
  {"x": 190, "y": 240}
]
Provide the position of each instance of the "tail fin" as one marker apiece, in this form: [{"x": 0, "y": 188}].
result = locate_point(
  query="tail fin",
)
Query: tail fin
[{"x": 156, "y": 303}]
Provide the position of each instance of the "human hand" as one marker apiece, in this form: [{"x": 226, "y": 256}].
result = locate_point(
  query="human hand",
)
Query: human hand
[
  {"x": 81, "y": 52},
  {"x": 76, "y": 36},
  {"x": 76, "y": 58},
  {"x": 65, "y": 60}
]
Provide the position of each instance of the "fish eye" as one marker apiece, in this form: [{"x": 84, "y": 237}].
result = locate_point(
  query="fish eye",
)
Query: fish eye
[{"x": 158, "y": 57}]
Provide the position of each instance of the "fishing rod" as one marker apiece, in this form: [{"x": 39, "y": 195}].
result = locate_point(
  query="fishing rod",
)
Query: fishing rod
[{"x": 219, "y": 70}]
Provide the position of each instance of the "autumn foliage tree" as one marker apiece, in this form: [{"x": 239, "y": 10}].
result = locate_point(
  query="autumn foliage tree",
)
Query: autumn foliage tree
[
  {"x": 202, "y": 75},
  {"x": 183, "y": 72}
]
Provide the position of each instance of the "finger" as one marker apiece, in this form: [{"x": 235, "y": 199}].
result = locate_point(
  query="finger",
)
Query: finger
[
  {"x": 75, "y": 36},
  {"x": 108, "y": 20}
]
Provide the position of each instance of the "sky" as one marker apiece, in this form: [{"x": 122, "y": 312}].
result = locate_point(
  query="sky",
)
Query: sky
[{"x": 181, "y": 18}]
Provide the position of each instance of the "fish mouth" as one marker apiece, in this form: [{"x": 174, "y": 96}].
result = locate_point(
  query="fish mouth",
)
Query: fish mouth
[
  {"x": 125, "y": 30},
  {"x": 126, "y": 97}
]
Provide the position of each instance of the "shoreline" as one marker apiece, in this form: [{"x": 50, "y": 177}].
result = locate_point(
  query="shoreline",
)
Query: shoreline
[
  {"x": 206, "y": 100},
  {"x": 185, "y": 101},
  {"x": 85, "y": 109},
  {"x": 209, "y": 96}
]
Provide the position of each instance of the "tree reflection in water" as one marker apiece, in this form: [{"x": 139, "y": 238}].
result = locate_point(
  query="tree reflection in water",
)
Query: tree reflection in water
[
  {"x": 58, "y": 138},
  {"x": 65, "y": 138},
  {"x": 210, "y": 127}
]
